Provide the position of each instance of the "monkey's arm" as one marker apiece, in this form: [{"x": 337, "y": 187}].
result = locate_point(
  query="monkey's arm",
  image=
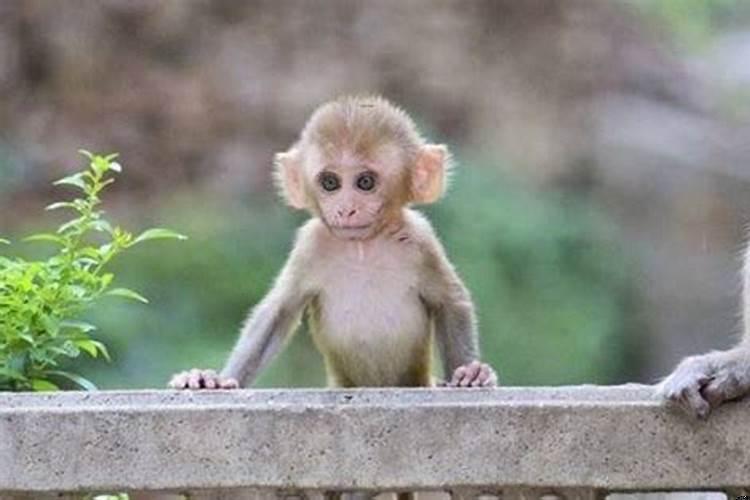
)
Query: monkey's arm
[
  {"x": 455, "y": 323},
  {"x": 265, "y": 331},
  {"x": 701, "y": 383}
]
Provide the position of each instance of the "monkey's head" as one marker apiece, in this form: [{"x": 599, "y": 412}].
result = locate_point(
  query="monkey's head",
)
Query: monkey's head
[{"x": 358, "y": 162}]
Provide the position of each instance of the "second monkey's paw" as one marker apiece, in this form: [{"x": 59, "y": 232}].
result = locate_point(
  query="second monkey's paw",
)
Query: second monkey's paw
[
  {"x": 202, "y": 379},
  {"x": 474, "y": 374},
  {"x": 701, "y": 383}
]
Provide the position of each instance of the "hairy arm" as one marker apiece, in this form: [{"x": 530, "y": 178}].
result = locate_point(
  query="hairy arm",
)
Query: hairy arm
[
  {"x": 268, "y": 326},
  {"x": 455, "y": 323}
]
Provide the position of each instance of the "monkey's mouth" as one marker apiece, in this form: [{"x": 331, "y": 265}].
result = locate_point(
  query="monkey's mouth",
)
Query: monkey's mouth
[
  {"x": 358, "y": 227},
  {"x": 351, "y": 232}
]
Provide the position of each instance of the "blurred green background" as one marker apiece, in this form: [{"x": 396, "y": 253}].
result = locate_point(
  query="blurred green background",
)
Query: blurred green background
[
  {"x": 547, "y": 273},
  {"x": 596, "y": 211}
]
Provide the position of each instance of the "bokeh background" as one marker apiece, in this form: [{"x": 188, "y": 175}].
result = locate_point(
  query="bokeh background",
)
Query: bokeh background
[{"x": 597, "y": 213}]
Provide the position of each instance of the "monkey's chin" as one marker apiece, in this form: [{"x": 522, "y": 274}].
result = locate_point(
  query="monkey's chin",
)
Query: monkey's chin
[{"x": 362, "y": 232}]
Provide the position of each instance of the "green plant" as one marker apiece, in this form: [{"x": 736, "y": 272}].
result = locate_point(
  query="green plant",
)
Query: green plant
[{"x": 41, "y": 301}]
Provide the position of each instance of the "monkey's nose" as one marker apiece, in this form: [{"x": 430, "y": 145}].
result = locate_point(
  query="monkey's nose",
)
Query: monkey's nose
[{"x": 343, "y": 213}]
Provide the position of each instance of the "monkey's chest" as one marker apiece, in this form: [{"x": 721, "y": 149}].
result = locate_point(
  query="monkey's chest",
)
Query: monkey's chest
[{"x": 373, "y": 318}]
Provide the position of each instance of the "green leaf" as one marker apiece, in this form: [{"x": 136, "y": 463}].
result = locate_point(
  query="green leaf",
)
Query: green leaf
[
  {"x": 102, "y": 349},
  {"x": 78, "y": 325},
  {"x": 4, "y": 242},
  {"x": 68, "y": 349},
  {"x": 157, "y": 233},
  {"x": 29, "y": 339},
  {"x": 61, "y": 204},
  {"x": 99, "y": 164},
  {"x": 11, "y": 373},
  {"x": 76, "y": 180},
  {"x": 41, "y": 385},
  {"x": 69, "y": 225},
  {"x": 93, "y": 348},
  {"x": 102, "y": 226},
  {"x": 51, "y": 325},
  {"x": 128, "y": 294},
  {"x": 88, "y": 154},
  {"x": 107, "y": 279},
  {"x": 76, "y": 379},
  {"x": 87, "y": 346},
  {"x": 45, "y": 237}
]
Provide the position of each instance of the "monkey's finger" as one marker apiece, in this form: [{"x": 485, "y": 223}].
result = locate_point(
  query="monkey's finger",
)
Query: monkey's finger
[
  {"x": 179, "y": 381},
  {"x": 481, "y": 375},
  {"x": 458, "y": 374},
  {"x": 693, "y": 402},
  {"x": 210, "y": 382},
  {"x": 720, "y": 389},
  {"x": 228, "y": 383},
  {"x": 194, "y": 379},
  {"x": 484, "y": 374},
  {"x": 472, "y": 371},
  {"x": 491, "y": 381},
  {"x": 209, "y": 379}
]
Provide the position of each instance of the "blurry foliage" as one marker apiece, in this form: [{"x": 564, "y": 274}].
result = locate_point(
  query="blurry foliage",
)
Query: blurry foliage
[
  {"x": 41, "y": 300},
  {"x": 551, "y": 285},
  {"x": 695, "y": 22}
]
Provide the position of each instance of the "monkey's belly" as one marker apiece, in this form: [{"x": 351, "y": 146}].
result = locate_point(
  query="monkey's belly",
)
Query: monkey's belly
[{"x": 374, "y": 343}]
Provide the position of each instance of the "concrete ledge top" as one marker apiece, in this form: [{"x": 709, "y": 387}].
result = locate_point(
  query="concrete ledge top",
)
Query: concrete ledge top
[
  {"x": 169, "y": 399},
  {"x": 613, "y": 438}
]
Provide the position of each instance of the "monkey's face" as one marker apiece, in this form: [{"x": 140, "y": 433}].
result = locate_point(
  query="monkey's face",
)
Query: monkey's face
[
  {"x": 355, "y": 197},
  {"x": 357, "y": 163}
]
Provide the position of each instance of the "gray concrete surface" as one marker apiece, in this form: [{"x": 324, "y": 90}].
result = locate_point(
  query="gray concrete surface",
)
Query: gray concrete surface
[{"x": 612, "y": 438}]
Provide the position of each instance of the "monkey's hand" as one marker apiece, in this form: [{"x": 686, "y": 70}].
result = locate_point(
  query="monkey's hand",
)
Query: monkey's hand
[
  {"x": 474, "y": 374},
  {"x": 701, "y": 383},
  {"x": 202, "y": 379}
]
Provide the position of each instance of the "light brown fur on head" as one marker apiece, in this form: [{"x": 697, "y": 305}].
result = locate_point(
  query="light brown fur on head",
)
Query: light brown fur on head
[
  {"x": 347, "y": 137},
  {"x": 362, "y": 125}
]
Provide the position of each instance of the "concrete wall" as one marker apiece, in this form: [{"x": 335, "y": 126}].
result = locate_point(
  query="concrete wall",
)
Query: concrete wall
[{"x": 578, "y": 441}]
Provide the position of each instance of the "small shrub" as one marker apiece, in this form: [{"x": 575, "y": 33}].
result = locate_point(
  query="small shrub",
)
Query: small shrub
[{"x": 41, "y": 300}]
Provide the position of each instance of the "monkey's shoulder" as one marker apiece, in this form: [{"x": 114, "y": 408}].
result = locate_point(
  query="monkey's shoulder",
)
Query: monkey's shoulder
[{"x": 418, "y": 227}]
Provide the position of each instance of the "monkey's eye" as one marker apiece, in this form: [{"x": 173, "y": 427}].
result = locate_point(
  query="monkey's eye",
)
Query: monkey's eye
[
  {"x": 366, "y": 181},
  {"x": 329, "y": 181}
]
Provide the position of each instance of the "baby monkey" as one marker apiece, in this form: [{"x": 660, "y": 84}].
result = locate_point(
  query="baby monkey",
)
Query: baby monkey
[
  {"x": 701, "y": 383},
  {"x": 368, "y": 270}
]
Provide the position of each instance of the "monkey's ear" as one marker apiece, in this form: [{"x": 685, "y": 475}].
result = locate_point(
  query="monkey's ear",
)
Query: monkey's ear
[
  {"x": 289, "y": 178},
  {"x": 430, "y": 173}
]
